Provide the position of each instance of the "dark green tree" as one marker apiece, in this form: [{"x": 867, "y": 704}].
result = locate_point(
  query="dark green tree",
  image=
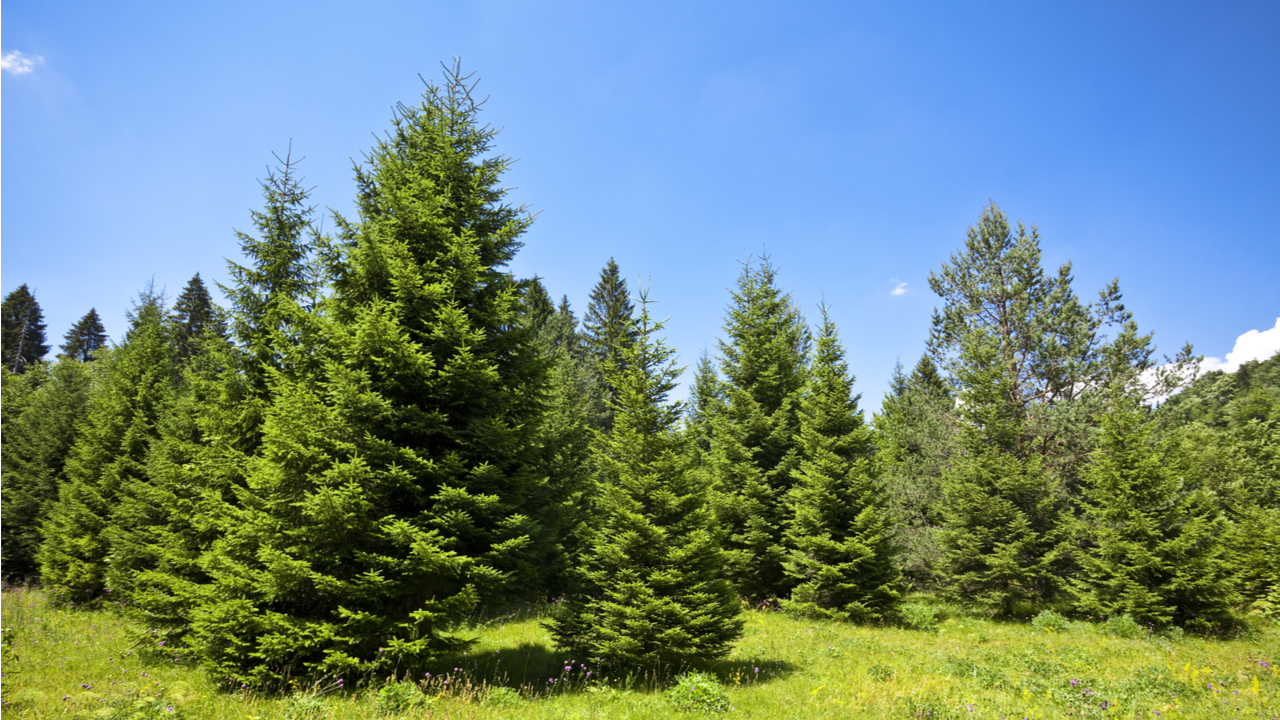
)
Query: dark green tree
[
  {"x": 22, "y": 325},
  {"x": 754, "y": 435},
  {"x": 35, "y": 449},
  {"x": 1151, "y": 550},
  {"x": 651, "y": 593},
  {"x": 109, "y": 454},
  {"x": 607, "y": 326},
  {"x": 85, "y": 338},
  {"x": 916, "y": 438},
  {"x": 400, "y": 475},
  {"x": 194, "y": 314},
  {"x": 840, "y": 535}
]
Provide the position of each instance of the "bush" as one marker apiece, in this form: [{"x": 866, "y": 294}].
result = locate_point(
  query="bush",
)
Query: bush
[
  {"x": 1050, "y": 620},
  {"x": 306, "y": 706},
  {"x": 1122, "y": 626},
  {"x": 880, "y": 672},
  {"x": 501, "y": 697},
  {"x": 699, "y": 692},
  {"x": 918, "y": 617},
  {"x": 396, "y": 698}
]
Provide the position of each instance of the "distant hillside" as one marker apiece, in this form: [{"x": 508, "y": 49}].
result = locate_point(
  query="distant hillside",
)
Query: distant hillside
[{"x": 1220, "y": 399}]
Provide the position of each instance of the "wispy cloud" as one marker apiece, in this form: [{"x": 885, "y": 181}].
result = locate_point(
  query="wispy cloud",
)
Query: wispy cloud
[
  {"x": 18, "y": 64},
  {"x": 1253, "y": 345},
  {"x": 899, "y": 289}
]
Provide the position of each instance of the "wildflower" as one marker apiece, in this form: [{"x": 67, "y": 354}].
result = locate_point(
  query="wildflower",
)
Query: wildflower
[
  {"x": 1073, "y": 683},
  {"x": 66, "y": 697}
]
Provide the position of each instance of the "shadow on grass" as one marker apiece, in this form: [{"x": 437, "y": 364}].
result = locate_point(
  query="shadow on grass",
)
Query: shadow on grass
[{"x": 537, "y": 669}]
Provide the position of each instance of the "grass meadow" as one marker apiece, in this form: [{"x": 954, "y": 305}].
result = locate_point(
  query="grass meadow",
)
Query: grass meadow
[{"x": 66, "y": 663}]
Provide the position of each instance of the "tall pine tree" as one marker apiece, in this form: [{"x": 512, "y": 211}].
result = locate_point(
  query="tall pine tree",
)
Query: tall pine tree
[
  {"x": 85, "y": 338},
  {"x": 607, "y": 327},
  {"x": 22, "y": 340},
  {"x": 753, "y": 446},
  {"x": 650, "y": 591},
  {"x": 840, "y": 535},
  {"x": 194, "y": 314}
]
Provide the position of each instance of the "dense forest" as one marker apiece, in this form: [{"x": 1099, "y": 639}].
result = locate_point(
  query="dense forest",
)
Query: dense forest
[{"x": 384, "y": 432}]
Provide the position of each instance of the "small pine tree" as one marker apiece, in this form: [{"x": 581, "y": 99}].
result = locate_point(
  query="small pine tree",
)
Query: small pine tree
[
  {"x": 194, "y": 314},
  {"x": 35, "y": 449},
  {"x": 22, "y": 340},
  {"x": 753, "y": 435},
  {"x": 651, "y": 592},
  {"x": 607, "y": 326},
  {"x": 85, "y": 338},
  {"x": 109, "y": 454},
  {"x": 840, "y": 537},
  {"x": 1151, "y": 549}
]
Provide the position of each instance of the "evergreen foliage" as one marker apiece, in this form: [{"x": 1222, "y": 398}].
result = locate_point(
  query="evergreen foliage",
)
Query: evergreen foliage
[
  {"x": 607, "y": 327},
  {"x": 917, "y": 437},
  {"x": 841, "y": 552},
  {"x": 85, "y": 338},
  {"x": 399, "y": 480},
  {"x": 1152, "y": 550},
  {"x": 194, "y": 314},
  {"x": 650, "y": 588},
  {"x": 753, "y": 445},
  {"x": 22, "y": 339},
  {"x": 35, "y": 451},
  {"x": 109, "y": 454}
]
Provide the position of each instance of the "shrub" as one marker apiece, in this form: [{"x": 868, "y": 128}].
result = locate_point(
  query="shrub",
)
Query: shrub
[
  {"x": 1050, "y": 620},
  {"x": 699, "y": 692},
  {"x": 918, "y": 617},
  {"x": 501, "y": 697},
  {"x": 306, "y": 706},
  {"x": 396, "y": 698},
  {"x": 880, "y": 672},
  {"x": 1122, "y": 626}
]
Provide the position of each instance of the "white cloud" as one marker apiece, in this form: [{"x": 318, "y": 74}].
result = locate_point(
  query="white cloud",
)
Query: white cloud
[
  {"x": 1253, "y": 345},
  {"x": 899, "y": 289},
  {"x": 18, "y": 64}
]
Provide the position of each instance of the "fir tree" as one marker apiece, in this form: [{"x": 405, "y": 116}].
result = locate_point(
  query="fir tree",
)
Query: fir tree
[
  {"x": 841, "y": 553},
  {"x": 607, "y": 326},
  {"x": 1152, "y": 551},
  {"x": 706, "y": 398},
  {"x": 651, "y": 592},
  {"x": 400, "y": 473},
  {"x": 85, "y": 338},
  {"x": 22, "y": 325},
  {"x": 109, "y": 454},
  {"x": 36, "y": 445},
  {"x": 194, "y": 314},
  {"x": 753, "y": 444},
  {"x": 916, "y": 434}
]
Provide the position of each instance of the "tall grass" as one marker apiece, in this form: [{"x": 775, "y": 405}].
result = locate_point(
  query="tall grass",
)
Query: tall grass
[{"x": 66, "y": 663}]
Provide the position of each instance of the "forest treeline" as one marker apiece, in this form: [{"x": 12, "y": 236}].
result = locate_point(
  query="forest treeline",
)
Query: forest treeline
[{"x": 384, "y": 432}]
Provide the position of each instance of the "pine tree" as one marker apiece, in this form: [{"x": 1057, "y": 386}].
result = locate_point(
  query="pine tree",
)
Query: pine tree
[
  {"x": 22, "y": 325},
  {"x": 840, "y": 536},
  {"x": 85, "y": 338},
  {"x": 194, "y": 314},
  {"x": 706, "y": 398},
  {"x": 1152, "y": 550},
  {"x": 36, "y": 445},
  {"x": 916, "y": 437},
  {"x": 109, "y": 454},
  {"x": 607, "y": 326},
  {"x": 399, "y": 480},
  {"x": 753, "y": 446},
  {"x": 651, "y": 592}
]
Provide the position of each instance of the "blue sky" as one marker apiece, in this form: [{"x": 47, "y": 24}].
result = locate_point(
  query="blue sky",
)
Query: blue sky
[{"x": 854, "y": 142}]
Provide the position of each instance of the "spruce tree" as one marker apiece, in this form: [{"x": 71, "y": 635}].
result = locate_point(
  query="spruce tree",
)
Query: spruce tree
[
  {"x": 400, "y": 475},
  {"x": 85, "y": 338},
  {"x": 35, "y": 449},
  {"x": 194, "y": 313},
  {"x": 753, "y": 446},
  {"x": 109, "y": 454},
  {"x": 607, "y": 326},
  {"x": 840, "y": 535},
  {"x": 22, "y": 340},
  {"x": 650, "y": 591},
  {"x": 1151, "y": 549}
]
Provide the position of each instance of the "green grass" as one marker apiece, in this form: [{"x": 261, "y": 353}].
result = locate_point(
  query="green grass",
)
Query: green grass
[{"x": 61, "y": 662}]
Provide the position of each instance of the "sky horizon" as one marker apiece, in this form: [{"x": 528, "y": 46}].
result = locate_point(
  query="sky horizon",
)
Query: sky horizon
[{"x": 854, "y": 143}]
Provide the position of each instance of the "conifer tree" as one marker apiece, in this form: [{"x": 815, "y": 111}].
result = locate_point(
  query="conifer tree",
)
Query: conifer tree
[
  {"x": 85, "y": 338},
  {"x": 109, "y": 454},
  {"x": 650, "y": 592},
  {"x": 753, "y": 445},
  {"x": 607, "y": 326},
  {"x": 35, "y": 449},
  {"x": 916, "y": 434},
  {"x": 841, "y": 551},
  {"x": 706, "y": 398},
  {"x": 400, "y": 474},
  {"x": 194, "y": 313},
  {"x": 1151, "y": 549},
  {"x": 22, "y": 340}
]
